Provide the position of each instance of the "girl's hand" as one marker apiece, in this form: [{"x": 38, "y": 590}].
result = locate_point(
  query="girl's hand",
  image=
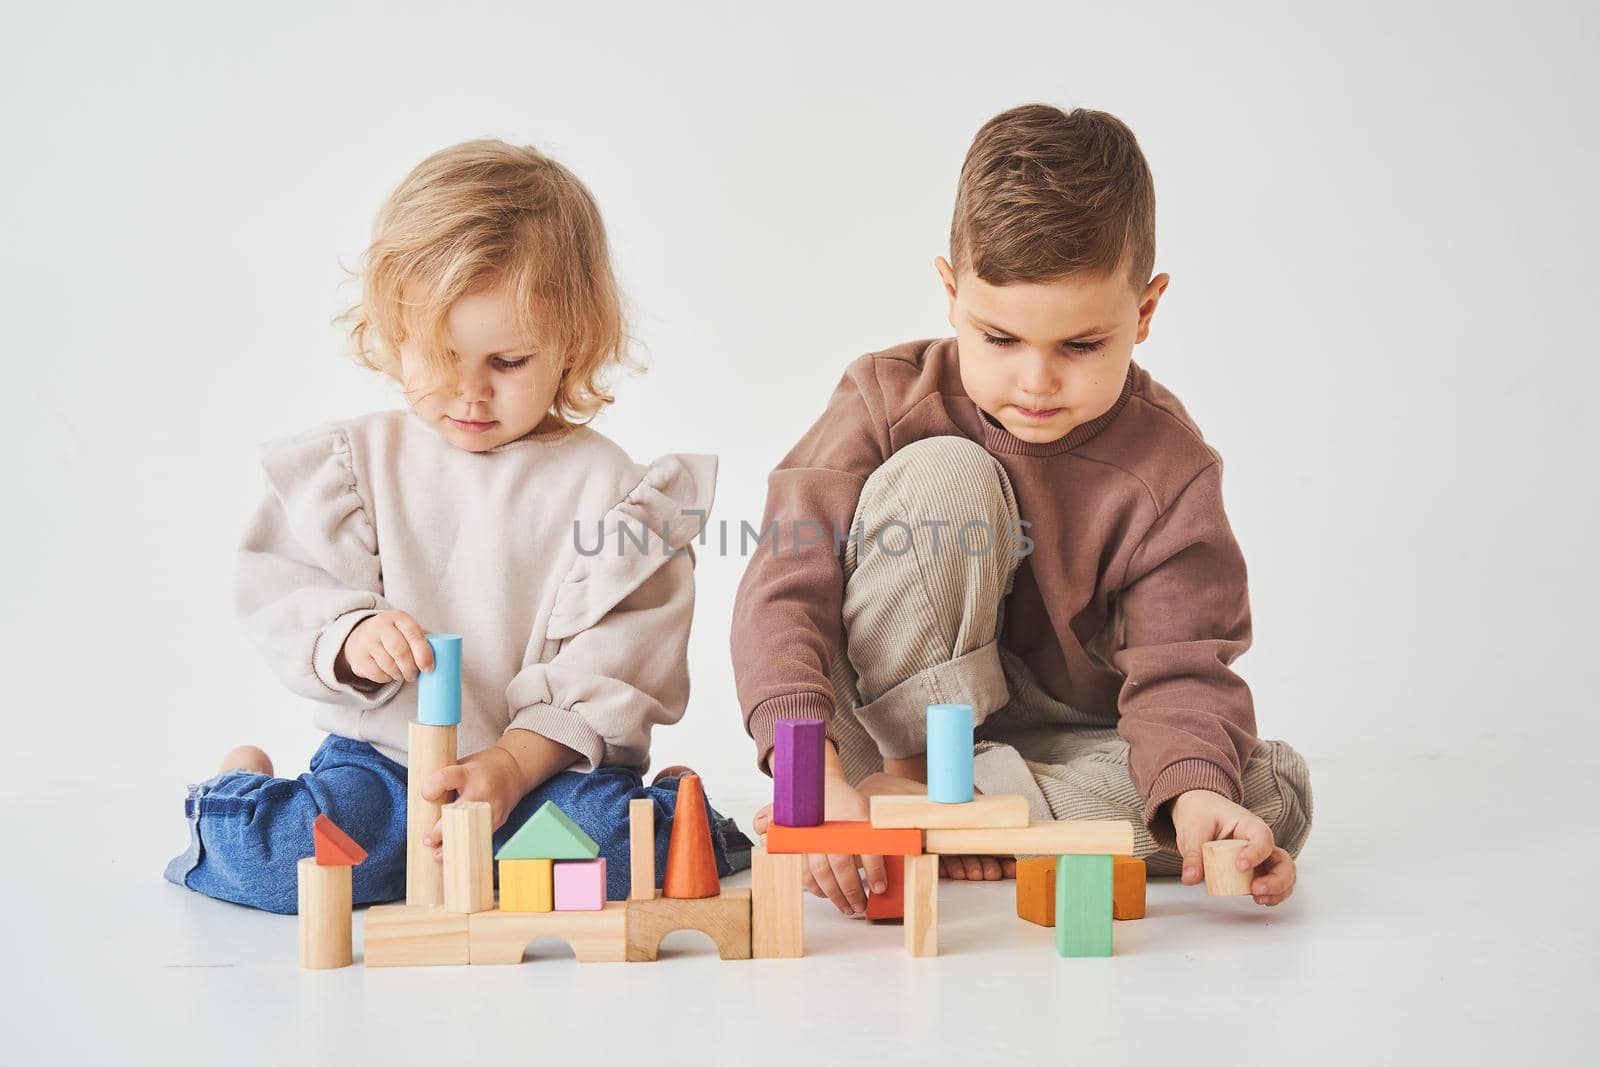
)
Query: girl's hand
[
  {"x": 491, "y": 774},
  {"x": 1200, "y": 816},
  {"x": 388, "y": 647}
]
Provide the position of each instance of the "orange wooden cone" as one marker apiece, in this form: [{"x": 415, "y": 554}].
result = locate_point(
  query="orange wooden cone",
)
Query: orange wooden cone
[{"x": 691, "y": 865}]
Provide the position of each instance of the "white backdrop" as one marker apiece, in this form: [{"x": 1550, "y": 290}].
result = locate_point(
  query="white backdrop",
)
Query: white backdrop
[{"x": 1378, "y": 224}]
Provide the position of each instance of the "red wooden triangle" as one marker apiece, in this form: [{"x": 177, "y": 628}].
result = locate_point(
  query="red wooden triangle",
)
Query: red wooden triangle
[{"x": 335, "y": 848}]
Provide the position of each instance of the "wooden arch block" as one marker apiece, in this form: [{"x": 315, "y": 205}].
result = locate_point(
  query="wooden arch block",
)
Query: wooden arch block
[{"x": 724, "y": 918}]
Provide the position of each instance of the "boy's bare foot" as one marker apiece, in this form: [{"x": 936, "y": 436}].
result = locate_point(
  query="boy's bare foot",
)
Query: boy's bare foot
[
  {"x": 247, "y": 758},
  {"x": 978, "y": 868}
]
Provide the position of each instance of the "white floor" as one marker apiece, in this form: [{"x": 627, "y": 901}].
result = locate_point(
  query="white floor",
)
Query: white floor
[{"x": 1445, "y": 921}]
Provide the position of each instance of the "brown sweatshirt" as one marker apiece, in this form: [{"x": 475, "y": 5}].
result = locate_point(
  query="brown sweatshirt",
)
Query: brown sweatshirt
[{"x": 1130, "y": 607}]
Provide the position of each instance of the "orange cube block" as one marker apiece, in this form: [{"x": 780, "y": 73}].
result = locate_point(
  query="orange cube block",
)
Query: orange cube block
[
  {"x": 1127, "y": 887},
  {"x": 1036, "y": 889}
]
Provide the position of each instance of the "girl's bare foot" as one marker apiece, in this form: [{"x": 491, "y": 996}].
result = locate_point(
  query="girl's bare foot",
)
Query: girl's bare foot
[{"x": 247, "y": 758}]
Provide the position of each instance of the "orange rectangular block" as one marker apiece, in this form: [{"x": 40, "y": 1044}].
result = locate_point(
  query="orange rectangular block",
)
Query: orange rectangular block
[
  {"x": 1036, "y": 889},
  {"x": 842, "y": 838},
  {"x": 891, "y": 903},
  {"x": 1127, "y": 887}
]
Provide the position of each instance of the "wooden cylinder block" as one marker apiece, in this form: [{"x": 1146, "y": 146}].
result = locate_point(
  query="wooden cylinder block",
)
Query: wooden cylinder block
[
  {"x": 325, "y": 900},
  {"x": 1223, "y": 876}
]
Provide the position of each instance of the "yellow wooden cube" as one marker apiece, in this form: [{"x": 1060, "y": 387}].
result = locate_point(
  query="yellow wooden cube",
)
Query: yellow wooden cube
[{"x": 527, "y": 885}]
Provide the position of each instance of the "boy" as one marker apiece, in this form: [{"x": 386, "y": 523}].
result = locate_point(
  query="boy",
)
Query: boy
[{"x": 1021, "y": 519}]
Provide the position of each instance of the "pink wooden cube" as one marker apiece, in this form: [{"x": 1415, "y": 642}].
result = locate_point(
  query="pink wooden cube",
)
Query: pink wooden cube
[{"x": 580, "y": 884}]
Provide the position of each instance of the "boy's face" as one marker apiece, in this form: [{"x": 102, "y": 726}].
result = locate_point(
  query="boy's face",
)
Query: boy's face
[
  {"x": 1041, "y": 358},
  {"x": 504, "y": 385}
]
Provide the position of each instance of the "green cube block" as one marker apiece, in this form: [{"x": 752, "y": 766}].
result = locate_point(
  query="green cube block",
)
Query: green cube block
[{"x": 1083, "y": 905}]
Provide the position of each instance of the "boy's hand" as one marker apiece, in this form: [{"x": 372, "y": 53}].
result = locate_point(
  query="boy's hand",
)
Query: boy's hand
[
  {"x": 388, "y": 647},
  {"x": 1200, "y": 816},
  {"x": 962, "y": 868},
  {"x": 836, "y": 877},
  {"x": 491, "y": 774}
]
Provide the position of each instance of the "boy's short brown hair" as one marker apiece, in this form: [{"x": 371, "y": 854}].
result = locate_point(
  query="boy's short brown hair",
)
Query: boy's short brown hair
[{"x": 1045, "y": 193}]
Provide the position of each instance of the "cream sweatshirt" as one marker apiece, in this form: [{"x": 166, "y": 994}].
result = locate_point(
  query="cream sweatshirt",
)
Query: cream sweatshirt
[{"x": 577, "y": 634}]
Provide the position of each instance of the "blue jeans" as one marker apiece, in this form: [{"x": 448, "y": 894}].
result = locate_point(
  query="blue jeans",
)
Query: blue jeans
[{"x": 248, "y": 831}]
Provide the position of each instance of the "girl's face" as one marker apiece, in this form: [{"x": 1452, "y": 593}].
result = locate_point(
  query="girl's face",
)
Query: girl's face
[{"x": 503, "y": 387}]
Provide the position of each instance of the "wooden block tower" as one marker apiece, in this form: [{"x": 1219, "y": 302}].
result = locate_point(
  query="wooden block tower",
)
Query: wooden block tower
[{"x": 432, "y": 747}]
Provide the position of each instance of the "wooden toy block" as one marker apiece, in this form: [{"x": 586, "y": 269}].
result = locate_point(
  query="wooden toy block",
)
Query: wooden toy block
[
  {"x": 398, "y": 935},
  {"x": 724, "y": 918},
  {"x": 1036, "y": 890},
  {"x": 891, "y": 903},
  {"x": 843, "y": 837},
  {"x": 797, "y": 767},
  {"x": 334, "y": 847},
  {"x": 1083, "y": 905},
  {"x": 439, "y": 690},
  {"x": 527, "y": 885},
  {"x": 1223, "y": 876},
  {"x": 497, "y": 936},
  {"x": 468, "y": 864},
  {"x": 777, "y": 919},
  {"x": 580, "y": 885},
  {"x": 430, "y": 749},
  {"x": 691, "y": 865},
  {"x": 1127, "y": 887},
  {"x": 1038, "y": 838},
  {"x": 922, "y": 905},
  {"x": 549, "y": 834},
  {"x": 950, "y": 753},
  {"x": 890, "y": 812},
  {"x": 325, "y": 900},
  {"x": 642, "y": 849}
]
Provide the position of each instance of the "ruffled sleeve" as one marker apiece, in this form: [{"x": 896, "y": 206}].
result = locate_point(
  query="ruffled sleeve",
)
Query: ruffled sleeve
[
  {"x": 621, "y": 617},
  {"x": 655, "y": 521},
  {"x": 308, "y": 569}
]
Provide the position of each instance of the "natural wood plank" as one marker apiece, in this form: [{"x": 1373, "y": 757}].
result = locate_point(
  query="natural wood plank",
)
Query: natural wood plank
[
  {"x": 642, "y": 849},
  {"x": 891, "y": 812},
  {"x": 1039, "y": 838},
  {"x": 922, "y": 905},
  {"x": 777, "y": 917},
  {"x": 397, "y": 935},
  {"x": 468, "y": 857}
]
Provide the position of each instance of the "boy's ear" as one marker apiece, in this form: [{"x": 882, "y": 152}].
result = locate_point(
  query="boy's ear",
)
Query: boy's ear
[
  {"x": 1147, "y": 304},
  {"x": 948, "y": 275}
]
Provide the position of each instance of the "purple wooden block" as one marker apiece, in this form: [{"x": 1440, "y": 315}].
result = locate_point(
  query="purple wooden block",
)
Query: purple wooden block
[{"x": 797, "y": 772}]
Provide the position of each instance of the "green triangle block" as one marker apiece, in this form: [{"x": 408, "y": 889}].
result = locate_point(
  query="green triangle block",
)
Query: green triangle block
[{"x": 549, "y": 835}]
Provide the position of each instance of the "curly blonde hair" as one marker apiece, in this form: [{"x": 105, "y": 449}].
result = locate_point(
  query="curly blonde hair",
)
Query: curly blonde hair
[{"x": 470, "y": 218}]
